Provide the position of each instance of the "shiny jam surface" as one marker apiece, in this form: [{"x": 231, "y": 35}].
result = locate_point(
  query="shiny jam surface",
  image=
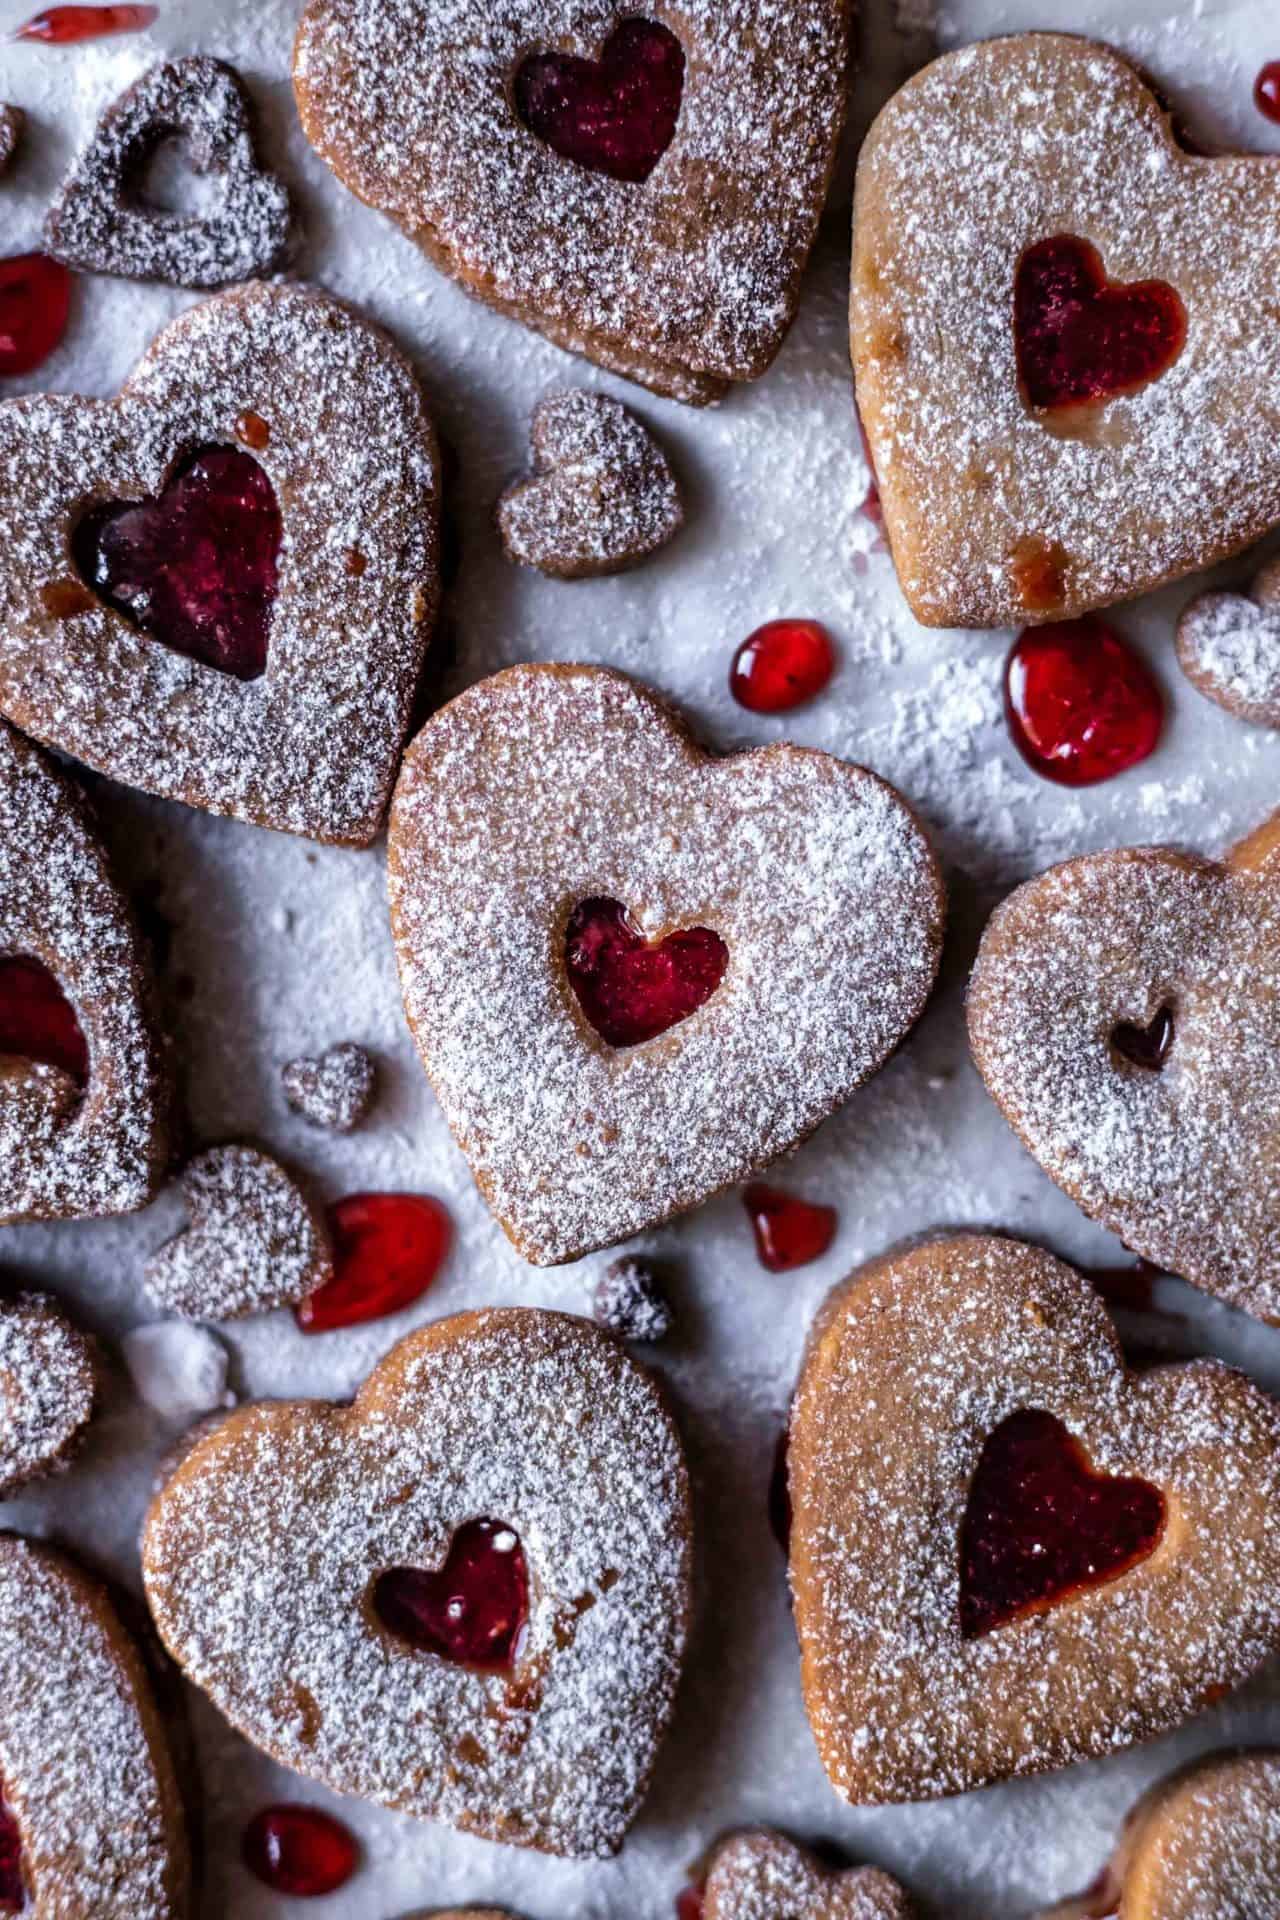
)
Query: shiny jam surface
[
  {"x": 299, "y": 1850},
  {"x": 1080, "y": 338},
  {"x": 781, "y": 665},
  {"x": 474, "y": 1610},
  {"x": 13, "y": 1891},
  {"x": 1266, "y": 91},
  {"x": 65, "y": 26},
  {"x": 789, "y": 1232},
  {"x": 1041, "y": 1524},
  {"x": 37, "y": 1021},
  {"x": 387, "y": 1250},
  {"x": 35, "y": 303},
  {"x": 1081, "y": 705},
  {"x": 632, "y": 989},
  {"x": 616, "y": 115}
]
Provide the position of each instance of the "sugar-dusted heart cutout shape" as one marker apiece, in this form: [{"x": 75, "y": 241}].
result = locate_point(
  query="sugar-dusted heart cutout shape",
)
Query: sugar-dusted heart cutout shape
[
  {"x": 777, "y": 853},
  {"x": 334, "y": 1089},
  {"x": 48, "y": 1384},
  {"x": 264, "y": 1552},
  {"x": 686, "y": 280},
  {"x": 102, "y": 221},
  {"x": 761, "y": 1875},
  {"x": 311, "y": 742},
  {"x": 912, "y": 1365},
  {"x": 254, "y": 1242},
  {"x": 1229, "y": 648},
  {"x": 999, "y": 508}
]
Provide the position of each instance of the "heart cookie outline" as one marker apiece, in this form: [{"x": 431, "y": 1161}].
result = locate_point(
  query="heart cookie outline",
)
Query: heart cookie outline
[
  {"x": 1228, "y": 645},
  {"x": 761, "y": 1875},
  {"x": 253, "y": 1242}
]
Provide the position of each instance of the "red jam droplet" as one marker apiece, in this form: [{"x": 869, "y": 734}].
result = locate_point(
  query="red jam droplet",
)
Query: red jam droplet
[
  {"x": 690, "y": 1901},
  {"x": 789, "y": 1232},
  {"x": 387, "y": 1250},
  {"x": 781, "y": 665},
  {"x": 35, "y": 302},
  {"x": 64, "y": 26},
  {"x": 37, "y": 1021},
  {"x": 1081, "y": 339},
  {"x": 13, "y": 1889},
  {"x": 474, "y": 1610},
  {"x": 1266, "y": 91},
  {"x": 299, "y": 1850},
  {"x": 1080, "y": 703},
  {"x": 615, "y": 115},
  {"x": 1041, "y": 1524},
  {"x": 632, "y": 989}
]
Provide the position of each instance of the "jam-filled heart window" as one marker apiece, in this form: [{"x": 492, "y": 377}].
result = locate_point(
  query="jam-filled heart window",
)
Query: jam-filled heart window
[
  {"x": 473, "y": 1611},
  {"x": 616, "y": 115},
  {"x": 632, "y": 989},
  {"x": 1081, "y": 338},
  {"x": 38, "y": 1022},
  {"x": 1146, "y": 1047}
]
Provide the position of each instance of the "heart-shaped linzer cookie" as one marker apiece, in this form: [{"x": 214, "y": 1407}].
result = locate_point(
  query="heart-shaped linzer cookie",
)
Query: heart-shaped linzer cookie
[
  {"x": 692, "y": 962},
  {"x": 48, "y": 1383},
  {"x": 292, "y": 1565},
  {"x": 760, "y": 1875},
  {"x": 611, "y": 179},
  {"x": 102, "y": 221},
  {"x": 952, "y": 1631},
  {"x": 1229, "y": 648},
  {"x": 255, "y": 1241},
  {"x": 220, "y": 586},
  {"x": 1065, "y": 336}
]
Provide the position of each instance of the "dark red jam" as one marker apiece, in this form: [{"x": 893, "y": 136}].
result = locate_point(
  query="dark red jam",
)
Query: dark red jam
[
  {"x": 1146, "y": 1047},
  {"x": 387, "y": 1250},
  {"x": 1081, "y": 339},
  {"x": 691, "y": 1900},
  {"x": 35, "y": 302},
  {"x": 13, "y": 1887},
  {"x": 789, "y": 1232},
  {"x": 474, "y": 1610},
  {"x": 781, "y": 665},
  {"x": 1266, "y": 91},
  {"x": 37, "y": 1021},
  {"x": 64, "y": 26},
  {"x": 616, "y": 115},
  {"x": 632, "y": 989},
  {"x": 299, "y": 1850},
  {"x": 1081, "y": 705}
]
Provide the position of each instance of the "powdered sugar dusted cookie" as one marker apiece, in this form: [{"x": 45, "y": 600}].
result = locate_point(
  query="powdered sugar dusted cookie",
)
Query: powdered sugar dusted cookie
[
  {"x": 642, "y": 190},
  {"x": 220, "y": 586},
  {"x": 1229, "y": 648},
  {"x": 1008, "y": 1552},
  {"x": 627, "y": 980},
  {"x": 83, "y": 1086},
  {"x": 603, "y": 497},
  {"x": 12, "y": 122},
  {"x": 333, "y": 1089},
  {"x": 255, "y": 1241},
  {"x": 759, "y": 1875},
  {"x": 102, "y": 222},
  {"x": 1057, "y": 337},
  {"x": 47, "y": 1388},
  {"x": 465, "y": 1596},
  {"x": 92, "y": 1821}
]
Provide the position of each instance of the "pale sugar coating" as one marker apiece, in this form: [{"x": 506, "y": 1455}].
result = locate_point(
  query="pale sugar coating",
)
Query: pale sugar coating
[
  {"x": 995, "y": 515},
  {"x": 334, "y": 1089},
  {"x": 911, "y": 1365},
  {"x": 759, "y": 1875},
  {"x": 1229, "y": 648},
  {"x": 260, "y": 1553},
  {"x": 686, "y": 282},
  {"x": 12, "y": 122},
  {"x": 255, "y": 1241},
  {"x": 86, "y": 1770},
  {"x": 629, "y": 1301},
  {"x": 64, "y": 1155},
  {"x": 47, "y": 1388},
  {"x": 311, "y": 746},
  {"x": 101, "y": 221},
  {"x": 546, "y": 786}
]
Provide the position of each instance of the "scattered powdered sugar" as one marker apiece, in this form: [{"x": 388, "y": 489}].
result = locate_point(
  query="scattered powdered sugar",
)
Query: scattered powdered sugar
[
  {"x": 47, "y": 1387},
  {"x": 333, "y": 1089},
  {"x": 1229, "y": 648},
  {"x": 255, "y": 1241},
  {"x": 762, "y": 1876},
  {"x": 180, "y": 1370}
]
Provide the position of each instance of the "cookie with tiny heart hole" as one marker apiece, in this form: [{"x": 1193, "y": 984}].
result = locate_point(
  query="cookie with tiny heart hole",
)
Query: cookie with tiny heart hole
[
  {"x": 48, "y": 1385},
  {"x": 1229, "y": 648},
  {"x": 255, "y": 1240},
  {"x": 760, "y": 1875}
]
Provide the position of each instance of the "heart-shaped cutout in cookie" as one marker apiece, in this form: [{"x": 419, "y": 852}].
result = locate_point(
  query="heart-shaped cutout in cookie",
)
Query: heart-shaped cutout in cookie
[
  {"x": 282, "y": 520},
  {"x": 38, "y": 1022},
  {"x": 474, "y": 1609},
  {"x": 913, "y": 1365},
  {"x": 264, "y": 1553},
  {"x": 255, "y": 1241},
  {"x": 632, "y": 989},
  {"x": 1046, "y": 443},
  {"x": 763, "y": 856},
  {"x": 48, "y": 1384},
  {"x": 660, "y": 246},
  {"x": 1229, "y": 648},
  {"x": 760, "y": 1875}
]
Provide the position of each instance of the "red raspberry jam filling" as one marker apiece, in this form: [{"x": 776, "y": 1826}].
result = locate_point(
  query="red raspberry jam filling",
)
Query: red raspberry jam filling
[
  {"x": 35, "y": 301},
  {"x": 13, "y": 1888},
  {"x": 632, "y": 989},
  {"x": 197, "y": 568},
  {"x": 1146, "y": 1047},
  {"x": 63, "y": 26},
  {"x": 474, "y": 1610},
  {"x": 299, "y": 1850},
  {"x": 387, "y": 1250},
  {"x": 781, "y": 665},
  {"x": 1266, "y": 91},
  {"x": 1080, "y": 338},
  {"x": 691, "y": 1900},
  {"x": 37, "y": 1021},
  {"x": 1041, "y": 1524},
  {"x": 789, "y": 1232},
  {"x": 1081, "y": 705},
  {"x": 615, "y": 115}
]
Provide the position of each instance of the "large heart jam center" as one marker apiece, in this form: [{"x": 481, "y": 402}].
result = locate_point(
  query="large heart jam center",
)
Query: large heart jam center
[
  {"x": 37, "y": 1021},
  {"x": 474, "y": 1610},
  {"x": 13, "y": 1890},
  {"x": 1041, "y": 1524},
  {"x": 1081, "y": 339},
  {"x": 615, "y": 115},
  {"x": 198, "y": 568},
  {"x": 632, "y": 989}
]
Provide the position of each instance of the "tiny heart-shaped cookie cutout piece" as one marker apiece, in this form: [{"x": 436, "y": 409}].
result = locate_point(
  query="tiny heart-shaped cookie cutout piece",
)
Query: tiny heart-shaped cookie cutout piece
[
  {"x": 48, "y": 1384},
  {"x": 615, "y": 115},
  {"x": 927, "y": 1465},
  {"x": 761, "y": 1875},
  {"x": 1079, "y": 338},
  {"x": 268, "y": 1554},
  {"x": 333, "y": 1089},
  {"x": 102, "y": 220},
  {"x": 12, "y": 122},
  {"x": 1229, "y": 648},
  {"x": 255, "y": 1241}
]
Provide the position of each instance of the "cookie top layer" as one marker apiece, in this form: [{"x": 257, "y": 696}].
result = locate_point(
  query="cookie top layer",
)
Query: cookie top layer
[
  {"x": 1229, "y": 648},
  {"x": 47, "y": 1387},
  {"x": 255, "y": 1240},
  {"x": 759, "y": 1875}
]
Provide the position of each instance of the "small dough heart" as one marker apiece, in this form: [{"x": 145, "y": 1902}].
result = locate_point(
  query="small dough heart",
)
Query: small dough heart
[
  {"x": 255, "y": 1241},
  {"x": 333, "y": 1089},
  {"x": 759, "y": 1875},
  {"x": 12, "y": 122},
  {"x": 48, "y": 1384},
  {"x": 1229, "y": 648}
]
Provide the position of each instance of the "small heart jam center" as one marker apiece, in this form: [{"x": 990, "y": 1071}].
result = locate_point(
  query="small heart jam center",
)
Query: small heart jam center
[
  {"x": 632, "y": 989},
  {"x": 38, "y": 1022},
  {"x": 13, "y": 1886},
  {"x": 299, "y": 1850},
  {"x": 1081, "y": 339},
  {"x": 616, "y": 115},
  {"x": 197, "y": 568},
  {"x": 1042, "y": 1524},
  {"x": 474, "y": 1611},
  {"x": 387, "y": 1250},
  {"x": 1146, "y": 1047}
]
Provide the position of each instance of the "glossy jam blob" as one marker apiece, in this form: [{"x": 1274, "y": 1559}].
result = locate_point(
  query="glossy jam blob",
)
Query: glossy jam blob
[
  {"x": 632, "y": 989},
  {"x": 474, "y": 1610},
  {"x": 789, "y": 1232},
  {"x": 1146, "y": 1047},
  {"x": 1080, "y": 338},
  {"x": 1041, "y": 1524},
  {"x": 781, "y": 665},
  {"x": 37, "y": 1021},
  {"x": 197, "y": 568},
  {"x": 63, "y": 26},
  {"x": 615, "y": 115},
  {"x": 1266, "y": 91},
  {"x": 1081, "y": 704},
  {"x": 299, "y": 1850},
  {"x": 387, "y": 1250},
  {"x": 691, "y": 1901},
  {"x": 35, "y": 301},
  {"x": 13, "y": 1889}
]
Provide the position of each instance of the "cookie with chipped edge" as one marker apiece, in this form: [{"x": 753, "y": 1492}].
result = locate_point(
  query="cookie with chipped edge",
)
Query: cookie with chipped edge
[
  {"x": 761, "y": 1875},
  {"x": 255, "y": 1240},
  {"x": 1228, "y": 645}
]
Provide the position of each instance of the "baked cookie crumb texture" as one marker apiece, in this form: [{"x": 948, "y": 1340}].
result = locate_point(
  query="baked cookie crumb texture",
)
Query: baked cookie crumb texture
[
  {"x": 1229, "y": 648},
  {"x": 48, "y": 1383},
  {"x": 759, "y": 1875},
  {"x": 255, "y": 1241}
]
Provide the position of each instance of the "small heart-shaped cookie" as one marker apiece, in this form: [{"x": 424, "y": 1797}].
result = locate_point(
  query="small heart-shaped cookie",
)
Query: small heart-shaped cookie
[
  {"x": 603, "y": 497},
  {"x": 333, "y": 1089},
  {"x": 961, "y": 1407},
  {"x": 307, "y": 551},
  {"x": 292, "y": 1561},
  {"x": 102, "y": 221},
  {"x": 255, "y": 1241},
  {"x": 692, "y": 963},
  {"x": 522, "y": 175},
  {"x": 759, "y": 1875},
  {"x": 1229, "y": 648},
  {"x": 92, "y": 1825},
  {"x": 48, "y": 1383},
  {"x": 1064, "y": 335}
]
